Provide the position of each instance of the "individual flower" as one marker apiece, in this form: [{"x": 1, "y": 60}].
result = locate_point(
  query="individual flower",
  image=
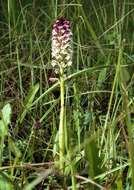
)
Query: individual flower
[{"x": 61, "y": 44}]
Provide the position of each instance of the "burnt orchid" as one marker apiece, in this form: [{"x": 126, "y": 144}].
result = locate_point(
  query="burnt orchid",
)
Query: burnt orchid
[
  {"x": 61, "y": 44},
  {"x": 61, "y": 59}
]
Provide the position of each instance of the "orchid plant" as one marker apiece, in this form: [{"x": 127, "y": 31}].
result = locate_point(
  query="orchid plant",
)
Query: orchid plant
[{"x": 61, "y": 59}]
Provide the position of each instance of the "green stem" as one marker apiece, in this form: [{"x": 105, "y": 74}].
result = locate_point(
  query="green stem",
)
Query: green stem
[
  {"x": 1, "y": 148},
  {"x": 61, "y": 124},
  {"x": 73, "y": 178}
]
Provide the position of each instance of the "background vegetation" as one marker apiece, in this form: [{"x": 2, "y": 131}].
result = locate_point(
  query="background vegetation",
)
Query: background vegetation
[{"x": 99, "y": 96}]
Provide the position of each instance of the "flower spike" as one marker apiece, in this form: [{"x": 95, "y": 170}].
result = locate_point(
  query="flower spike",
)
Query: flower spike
[{"x": 61, "y": 44}]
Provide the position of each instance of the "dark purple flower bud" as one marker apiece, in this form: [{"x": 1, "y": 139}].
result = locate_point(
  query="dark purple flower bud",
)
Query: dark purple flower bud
[{"x": 37, "y": 123}]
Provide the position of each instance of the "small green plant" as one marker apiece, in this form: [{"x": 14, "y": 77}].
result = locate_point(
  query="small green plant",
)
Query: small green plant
[{"x": 5, "y": 118}]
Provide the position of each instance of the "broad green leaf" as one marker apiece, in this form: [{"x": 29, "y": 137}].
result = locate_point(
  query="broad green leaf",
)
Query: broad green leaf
[
  {"x": 5, "y": 119},
  {"x": 14, "y": 149},
  {"x": 92, "y": 157},
  {"x": 5, "y": 185},
  {"x": 102, "y": 76},
  {"x": 119, "y": 184},
  {"x": 28, "y": 101},
  {"x": 125, "y": 74},
  {"x": 3, "y": 128},
  {"x": 6, "y": 114}
]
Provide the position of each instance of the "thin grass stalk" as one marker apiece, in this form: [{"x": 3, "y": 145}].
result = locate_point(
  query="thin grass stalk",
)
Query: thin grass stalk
[
  {"x": 9, "y": 25},
  {"x": 76, "y": 118},
  {"x": 125, "y": 101},
  {"x": 130, "y": 134}
]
